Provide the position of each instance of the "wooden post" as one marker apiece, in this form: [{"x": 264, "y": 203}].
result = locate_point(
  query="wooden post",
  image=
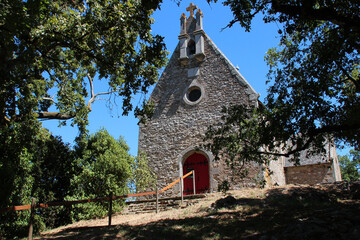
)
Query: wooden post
[
  {"x": 182, "y": 190},
  {"x": 110, "y": 207},
  {"x": 157, "y": 199},
  {"x": 32, "y": 213},
  {"x": 194, "y": 182}
]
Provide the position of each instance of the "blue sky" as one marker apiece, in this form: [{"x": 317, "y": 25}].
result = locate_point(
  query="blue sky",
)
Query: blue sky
[{"x": 245, "y": 50}]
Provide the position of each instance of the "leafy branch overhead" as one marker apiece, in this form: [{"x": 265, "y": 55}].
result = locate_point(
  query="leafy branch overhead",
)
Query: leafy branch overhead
[
  {"x": 54, "y": 52},
  {"x": 314, "y": 91}
]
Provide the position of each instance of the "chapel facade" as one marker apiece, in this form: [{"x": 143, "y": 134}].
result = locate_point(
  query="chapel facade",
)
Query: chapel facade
[{"x": 197, "y": 82}]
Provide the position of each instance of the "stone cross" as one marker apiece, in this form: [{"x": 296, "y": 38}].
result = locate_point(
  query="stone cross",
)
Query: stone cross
[{"x": 191, "y": 9}]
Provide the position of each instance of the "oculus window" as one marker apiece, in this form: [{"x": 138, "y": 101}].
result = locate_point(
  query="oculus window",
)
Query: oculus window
[{"x": 193, "y": 95}]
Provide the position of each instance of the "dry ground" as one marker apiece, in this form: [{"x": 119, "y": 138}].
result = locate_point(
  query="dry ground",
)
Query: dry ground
[{"x": 308, "y": 212}]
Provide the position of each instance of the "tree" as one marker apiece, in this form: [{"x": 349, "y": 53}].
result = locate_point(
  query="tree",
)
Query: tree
[
  {"x": 350, "y": 166},
  {"x": 45, "y": 167},
  {"x": 314, "y": 95},
  {"x": 106, "y": 168},
  {"x": 53, "y": 168},
  {"x": 143, "y": 177},
  {"x": 53, "y": 51}
]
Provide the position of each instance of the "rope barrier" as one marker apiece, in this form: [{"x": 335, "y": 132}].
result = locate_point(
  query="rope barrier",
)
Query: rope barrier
[{"x": 67, "y": 203}]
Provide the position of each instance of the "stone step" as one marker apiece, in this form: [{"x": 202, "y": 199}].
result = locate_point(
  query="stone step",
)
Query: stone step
[{"x": 164, "y": 204}]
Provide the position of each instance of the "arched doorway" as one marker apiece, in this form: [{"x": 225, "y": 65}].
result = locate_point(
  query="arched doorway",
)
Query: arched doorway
[{"x": 200, "y": 164}]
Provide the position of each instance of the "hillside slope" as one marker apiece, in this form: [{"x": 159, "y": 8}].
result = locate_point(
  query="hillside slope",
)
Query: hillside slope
[{"x": 330, "y": 211}]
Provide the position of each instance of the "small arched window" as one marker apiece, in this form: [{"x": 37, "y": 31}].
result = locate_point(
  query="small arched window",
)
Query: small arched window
[{"x": 191, "y": 47}]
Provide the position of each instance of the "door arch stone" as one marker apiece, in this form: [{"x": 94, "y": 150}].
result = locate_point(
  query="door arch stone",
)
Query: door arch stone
[{"x": 201, "y": 161}]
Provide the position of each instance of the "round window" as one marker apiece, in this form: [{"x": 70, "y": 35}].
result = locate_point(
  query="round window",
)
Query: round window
[{"x": 193, "y": 95}]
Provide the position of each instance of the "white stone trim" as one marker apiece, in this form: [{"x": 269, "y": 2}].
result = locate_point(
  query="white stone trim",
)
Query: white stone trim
[
  {"x": 193, "y": 85},
  {"x": 183, "y": 43},
  {"x": 193, "y": 72}
]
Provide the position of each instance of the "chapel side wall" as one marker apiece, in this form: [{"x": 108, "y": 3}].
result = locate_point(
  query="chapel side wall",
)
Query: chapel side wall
[
  {"x": 309, "y": 174},
  {"x": 318, "y": 168},
  {"x": 177, "y": 126}
]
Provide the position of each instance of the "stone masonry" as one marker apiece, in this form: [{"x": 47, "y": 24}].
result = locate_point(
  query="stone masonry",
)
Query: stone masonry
[
  {"x": 178, "y": 126},
  {"x": 197, "y": 82},
  {"x": 309, "y": 174}
]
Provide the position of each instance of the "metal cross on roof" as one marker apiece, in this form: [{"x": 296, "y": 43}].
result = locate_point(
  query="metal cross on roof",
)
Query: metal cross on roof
[{"x": 191, "y": 9}]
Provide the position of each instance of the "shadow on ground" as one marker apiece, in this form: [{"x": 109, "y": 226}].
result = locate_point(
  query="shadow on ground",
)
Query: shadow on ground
[{"x": 292, "y": 214}]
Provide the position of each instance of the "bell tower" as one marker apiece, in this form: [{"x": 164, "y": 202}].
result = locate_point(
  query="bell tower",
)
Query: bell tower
[{"x": 191, "y": 38}]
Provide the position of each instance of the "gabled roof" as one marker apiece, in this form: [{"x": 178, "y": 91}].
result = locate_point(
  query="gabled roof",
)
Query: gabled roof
[{"x": 253, "y": 95}]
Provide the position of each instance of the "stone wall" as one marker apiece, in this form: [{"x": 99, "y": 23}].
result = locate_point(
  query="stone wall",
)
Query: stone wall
[
  {"x": 317, "y": 168},
  {"x": 178, "y": 128},
  {"x": 310, "y": 174}
]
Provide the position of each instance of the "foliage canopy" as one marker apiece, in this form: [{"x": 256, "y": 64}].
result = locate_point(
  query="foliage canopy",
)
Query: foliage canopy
[
  {"x": 314, "y": 94},
  {"x": 53, "y": 56},
  {"x": 106, "y": 167},
  {"x": 53, "y": 51},
  {"x": 51, "y": 171},
  {"x": 43, "y": 170},
  {"x": 350, "y": 166}
]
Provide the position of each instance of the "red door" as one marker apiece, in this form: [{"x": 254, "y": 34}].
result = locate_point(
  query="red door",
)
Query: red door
[{"x": 199, "y": 163}]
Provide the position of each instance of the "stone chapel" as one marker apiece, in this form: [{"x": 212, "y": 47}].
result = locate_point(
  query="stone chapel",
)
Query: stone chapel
[{"x": 188, "y": 97}]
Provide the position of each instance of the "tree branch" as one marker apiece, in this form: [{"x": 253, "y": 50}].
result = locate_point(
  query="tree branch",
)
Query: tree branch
[
  {"x": 93, "y": 95},
  {"x": 49, "y": 99},
  {"x": 308, "y": 11},
  {"x": 311, "y": 135},
  {"x": 350, "y": 78},
  {"x": 67, "y": 116},
  {"x": 55, "y": 115}
]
